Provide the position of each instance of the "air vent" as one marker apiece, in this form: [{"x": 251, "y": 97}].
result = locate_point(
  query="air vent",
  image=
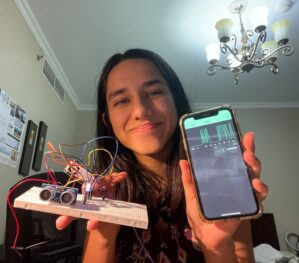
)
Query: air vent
[
  {"x": 49, "y": 75},
  {"x": 59, "y": 90}
]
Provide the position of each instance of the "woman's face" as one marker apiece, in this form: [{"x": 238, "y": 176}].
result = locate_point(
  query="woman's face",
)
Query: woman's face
[{"x": 141, "y": 107}]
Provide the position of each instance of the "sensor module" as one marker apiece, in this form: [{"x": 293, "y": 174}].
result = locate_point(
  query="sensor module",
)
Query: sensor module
[{"x": 58, "y": 194}]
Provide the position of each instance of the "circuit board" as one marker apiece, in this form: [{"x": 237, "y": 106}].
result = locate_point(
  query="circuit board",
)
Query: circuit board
[{"x": 106, "y": 210}]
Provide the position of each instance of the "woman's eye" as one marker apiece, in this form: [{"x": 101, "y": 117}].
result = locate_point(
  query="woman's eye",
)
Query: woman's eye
[
  {"x": 120, "y": 102},
  {"x": 155, "y": 93}
]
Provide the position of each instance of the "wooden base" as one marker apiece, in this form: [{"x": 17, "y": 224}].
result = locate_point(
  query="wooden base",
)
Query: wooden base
[{"x": 106, "y": 210}]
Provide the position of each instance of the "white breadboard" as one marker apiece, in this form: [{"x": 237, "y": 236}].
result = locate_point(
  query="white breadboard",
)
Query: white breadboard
[{"x": 106, "y": 210}]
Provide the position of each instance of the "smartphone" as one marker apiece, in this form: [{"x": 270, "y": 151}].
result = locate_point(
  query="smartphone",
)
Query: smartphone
[{"x": 213, "y": 145}]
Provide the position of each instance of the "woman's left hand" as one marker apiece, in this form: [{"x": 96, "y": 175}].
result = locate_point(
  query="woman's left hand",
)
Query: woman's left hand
[{"x": 213, "y": 235}]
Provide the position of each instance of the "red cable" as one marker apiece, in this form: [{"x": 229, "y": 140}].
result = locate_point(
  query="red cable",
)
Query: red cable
[{"x": 11, "y": 207}]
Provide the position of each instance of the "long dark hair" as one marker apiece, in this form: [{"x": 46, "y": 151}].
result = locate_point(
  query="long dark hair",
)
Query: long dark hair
[{"x": 140, "y": 185}]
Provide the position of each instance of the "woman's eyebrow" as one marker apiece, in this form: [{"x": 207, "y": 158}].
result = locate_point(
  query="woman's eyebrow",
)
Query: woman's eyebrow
[
  {"x": 115, "y": 93},
  {"x": 121, "y": 91},
  {"x": 151, "y": 83}
]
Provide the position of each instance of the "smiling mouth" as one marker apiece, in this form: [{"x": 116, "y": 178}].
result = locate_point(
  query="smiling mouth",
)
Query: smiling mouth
[{"x": 146, "y": 127}]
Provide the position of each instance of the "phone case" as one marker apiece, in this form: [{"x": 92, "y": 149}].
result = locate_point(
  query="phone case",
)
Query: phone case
[{"x": 224, "y": 106}]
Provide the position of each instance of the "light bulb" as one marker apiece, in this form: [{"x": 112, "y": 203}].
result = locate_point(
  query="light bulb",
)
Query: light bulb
[
  {"x": 259, "y": 18},
  {"x": 280, "y": 30},
  {"x": 268, "y": 47},
  {"x": 213, "y": 53},
  {"x": 232, "y": 61},
  {"x": 223, "y": 27}
]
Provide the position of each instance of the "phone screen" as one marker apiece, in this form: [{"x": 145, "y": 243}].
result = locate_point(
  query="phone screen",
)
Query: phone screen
[{"x": 221, "y": 176}]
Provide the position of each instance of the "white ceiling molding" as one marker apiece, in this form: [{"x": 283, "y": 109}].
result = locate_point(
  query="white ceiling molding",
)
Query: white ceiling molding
[{"x": 37, "y": 32}]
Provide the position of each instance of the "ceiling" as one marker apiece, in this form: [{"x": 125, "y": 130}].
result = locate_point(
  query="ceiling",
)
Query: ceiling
[{"x": 77, "y": 37}]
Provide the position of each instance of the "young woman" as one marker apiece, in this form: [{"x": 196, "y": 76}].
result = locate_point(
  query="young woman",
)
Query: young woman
[{"x": 140, "y": 100}]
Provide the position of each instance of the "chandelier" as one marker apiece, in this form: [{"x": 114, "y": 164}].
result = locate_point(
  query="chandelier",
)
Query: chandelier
[{"x": 251, "y": 54}]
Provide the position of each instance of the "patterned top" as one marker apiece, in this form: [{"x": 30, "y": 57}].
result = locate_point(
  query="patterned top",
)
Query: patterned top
[{"x": 173, "y": 245}]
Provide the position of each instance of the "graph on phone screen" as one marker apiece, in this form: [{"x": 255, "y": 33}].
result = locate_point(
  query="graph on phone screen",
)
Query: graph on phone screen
[
  {"x": 219, "y": 170},
  {"x": 224, "y": 132}
]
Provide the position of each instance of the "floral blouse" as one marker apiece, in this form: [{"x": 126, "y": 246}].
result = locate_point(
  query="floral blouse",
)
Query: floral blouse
[{"x": 173, "y": 245}]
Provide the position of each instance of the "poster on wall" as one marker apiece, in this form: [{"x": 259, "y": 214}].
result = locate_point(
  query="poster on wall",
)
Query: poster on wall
[{"x": 12, "y": 122}]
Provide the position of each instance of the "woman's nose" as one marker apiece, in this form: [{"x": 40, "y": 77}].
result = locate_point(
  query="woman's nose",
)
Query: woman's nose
[{"x": 142, "y": 108}]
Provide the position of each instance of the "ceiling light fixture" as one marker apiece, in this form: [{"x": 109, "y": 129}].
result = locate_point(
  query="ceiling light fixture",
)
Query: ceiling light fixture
[{"x": 247, "y": 56}]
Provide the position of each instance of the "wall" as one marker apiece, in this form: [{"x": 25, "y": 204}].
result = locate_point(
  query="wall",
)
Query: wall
[
  {"x": 277, "y": 144},
  {"x": 87, "y": 128},
  {"x": 20, "y": 77}
]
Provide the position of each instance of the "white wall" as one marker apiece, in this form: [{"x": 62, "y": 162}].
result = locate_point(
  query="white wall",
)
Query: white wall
[
  {"x": 277, "y": 144},
  {"x": 20, "y": 77},
  {"x": 87, "y": 128}
]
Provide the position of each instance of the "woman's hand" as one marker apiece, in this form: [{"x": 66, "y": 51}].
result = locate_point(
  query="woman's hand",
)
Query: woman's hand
[
  {"x": 108, "y": 183},
  {"x": 209, "y": 235},
  {"x": 214, "y": 236},
  {"x": 255, "y": 166}
]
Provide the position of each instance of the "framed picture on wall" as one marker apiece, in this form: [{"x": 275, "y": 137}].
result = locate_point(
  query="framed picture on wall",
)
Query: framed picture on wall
[
  {"x": 40, "y": 145},
  {"x": 26, "y": 157}
]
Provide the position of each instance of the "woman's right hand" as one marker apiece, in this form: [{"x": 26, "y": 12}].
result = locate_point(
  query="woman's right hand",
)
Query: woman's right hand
[
  {"x": 219, "y": 235},
  {"x": 108, "y": 182}
]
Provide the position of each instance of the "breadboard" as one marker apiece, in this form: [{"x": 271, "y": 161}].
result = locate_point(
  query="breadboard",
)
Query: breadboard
[{"x": 106, "y": 210}]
